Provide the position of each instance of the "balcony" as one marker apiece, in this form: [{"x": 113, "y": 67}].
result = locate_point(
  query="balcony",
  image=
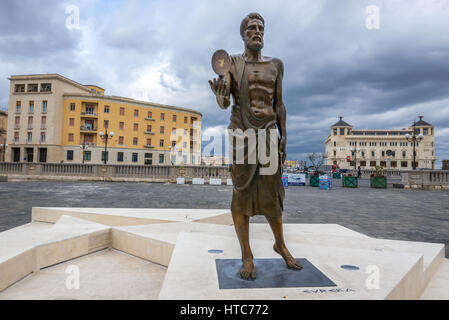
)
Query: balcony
[
  {"x": 149, "y": 146},
  {"x": 89, "y": 115},
  {"x": 150, "y": 118},
  {"x": 88, "y": 128},
  {"x": 149, "y": 132}
]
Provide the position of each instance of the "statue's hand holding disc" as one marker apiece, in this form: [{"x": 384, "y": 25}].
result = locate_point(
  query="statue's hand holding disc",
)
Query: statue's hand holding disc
[{"x": 221, "y": 63}]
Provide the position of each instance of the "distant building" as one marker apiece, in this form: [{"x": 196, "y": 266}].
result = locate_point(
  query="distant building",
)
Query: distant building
[
  {"x": 3, "y": 131},
  {"x": 213, "y": 160},
  {"x": 386, "y": 148},
  {"x": 291, "y": 164},
  {"x": 52, "y": 116},
  {"x": 445, "y": 165}
]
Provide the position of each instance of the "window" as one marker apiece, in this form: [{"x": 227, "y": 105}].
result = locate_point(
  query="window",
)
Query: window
[
  {"x": 162, "y": 129},
  {"x": 363, "y": 153},
  {"x": 119, "y": 156},
  {"x": 44, "y": 122},
  {"x": 335, "y": 131},
  {"x": 185, "y": 132},
  {"x": 106, "y": 109},
  {"x": 122, "y": 111},
  {"x": 87, "y": 155},
  {"x": 30, "y": 123},
  {"x": 121, "y": 125},
  {"x": 19, "y": 88},
  {"x": 32, "y": 87},
  {"x": 161, "y": 158},
  {"x": 162, "y": 116},
  {"x": 383, "y": 164},
  {"x": 31, "y": 107},
  {"x": 425, "y": 131},
  {"x": 150, "y": 114},
  {"x": 106, "y": 124},
  {"x": 394, "y": 164},
  {"x": 135, "y": 157},
  {"x": 69, "y": 155},
  {"x": 135, "y": 141},
  {"x": 136, "y": 127},
  {"x": 174, "y": 118},
  {"x": 342, "y": 131},
  {"x": 17, "y": 123},
  {"x": 18, "y": 106},
  {"x": 71, "y": 137},
  {"x": 372, "y": 163},
  {"x": 30, "y": 137},
  {"x": 185, "y": 119},
  {"x": 16, "y": 137},
  {"x": 383, "y": 154},
  {"x": 103, "y": 156},
  {"x": 71, "y": 122},
  {"x": 44, "y": 106},
  {"x": 148, "y": 142},
  {"x": 335, "y": 153},
  {"x": 72, "y": 107},
  {"x": 335, "y": 143},
  {"x": 136, "y": 113},
  {"x": 363, "y": 163},
  {"x": 161, "y": 143},
  {"x": 404, "y": 154},
  {"x": 404, "y": 164},
  {"x": 149, "y": 127},
  {"x": 45, "y": 87},
  {"x": 173, "y": 144},
  {"x": 42, "y": 137},
  {"x": 184, "y": 145},
  {"x": 121, "y": 139}
]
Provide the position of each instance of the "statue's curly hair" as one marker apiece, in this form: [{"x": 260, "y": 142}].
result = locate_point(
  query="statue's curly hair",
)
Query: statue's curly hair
[{"x": 249, "y": 17}]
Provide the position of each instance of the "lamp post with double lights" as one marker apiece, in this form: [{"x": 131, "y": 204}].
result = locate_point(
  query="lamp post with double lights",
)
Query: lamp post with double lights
[
  {"x": 414, "y": 139},
  {"x": 4, "y": 146},
  {"x": 354, "y": 153},
  {"x": 84, "y": 146},
  {"x": 105, "y": 136}
]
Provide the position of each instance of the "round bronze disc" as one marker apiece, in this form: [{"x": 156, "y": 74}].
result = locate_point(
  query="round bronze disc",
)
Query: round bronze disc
[{"x": 221, "y": 62}]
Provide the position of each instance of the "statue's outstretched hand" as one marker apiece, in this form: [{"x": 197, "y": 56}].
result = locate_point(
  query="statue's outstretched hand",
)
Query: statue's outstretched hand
[{"x": 218, "y": 86}]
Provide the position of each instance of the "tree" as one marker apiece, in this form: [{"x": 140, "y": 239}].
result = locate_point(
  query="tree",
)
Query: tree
[{"x": 317, "y": 159}]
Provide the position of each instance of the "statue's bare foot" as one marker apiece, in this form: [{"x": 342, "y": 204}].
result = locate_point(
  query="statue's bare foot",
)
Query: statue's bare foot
[
  {"x": 288, "y": 258},
  {"x": 247, "y": 271}
]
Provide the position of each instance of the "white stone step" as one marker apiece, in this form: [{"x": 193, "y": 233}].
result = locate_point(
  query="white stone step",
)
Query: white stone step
[{"x": 438, "y": 287}]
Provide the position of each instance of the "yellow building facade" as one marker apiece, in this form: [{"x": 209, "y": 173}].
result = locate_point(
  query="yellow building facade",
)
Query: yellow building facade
[
  {"x": 3, "y": 130},
  {"x": 77, "y": 121}
]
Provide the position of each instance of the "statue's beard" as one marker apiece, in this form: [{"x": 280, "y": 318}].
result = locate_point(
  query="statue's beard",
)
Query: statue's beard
[{"x": 254, "y": 45}]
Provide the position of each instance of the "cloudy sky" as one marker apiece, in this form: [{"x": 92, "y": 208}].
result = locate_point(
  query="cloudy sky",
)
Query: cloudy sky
[{"x": 160, "y": 51}]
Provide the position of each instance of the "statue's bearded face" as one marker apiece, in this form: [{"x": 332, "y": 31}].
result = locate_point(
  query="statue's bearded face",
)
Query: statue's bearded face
[{"x": 254, "y": 34}]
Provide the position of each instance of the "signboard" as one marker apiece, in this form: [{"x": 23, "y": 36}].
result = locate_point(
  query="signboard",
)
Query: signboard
[
  {"x": 296, "y": 179},
  {"x": 285, "y": 181},
  {"x": 325, "y": 182}
]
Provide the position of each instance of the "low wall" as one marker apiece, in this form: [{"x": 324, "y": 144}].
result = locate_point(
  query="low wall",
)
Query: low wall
[
  {"x": 97, "y": 172},
  {"x": 426, "y": 179}
]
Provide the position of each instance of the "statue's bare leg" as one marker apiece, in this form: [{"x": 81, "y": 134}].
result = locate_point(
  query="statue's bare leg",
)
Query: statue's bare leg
[
  {"x": 279, "y": 245},
  {"x": 241, "y": 225}
]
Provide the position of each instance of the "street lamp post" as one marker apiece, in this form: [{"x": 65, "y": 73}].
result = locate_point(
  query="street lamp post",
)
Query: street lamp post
[
  {"x": 414, "y": 139},
  {"x": 105, "y": 136},
  {"x": 4, "y": 146},
  {"x": 84, "y": 146},
  {"x": 354, "y": 151}
]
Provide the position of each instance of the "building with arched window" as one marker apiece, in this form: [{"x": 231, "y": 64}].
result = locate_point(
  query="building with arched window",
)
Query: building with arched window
[{"x": 387, "y": 148}]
